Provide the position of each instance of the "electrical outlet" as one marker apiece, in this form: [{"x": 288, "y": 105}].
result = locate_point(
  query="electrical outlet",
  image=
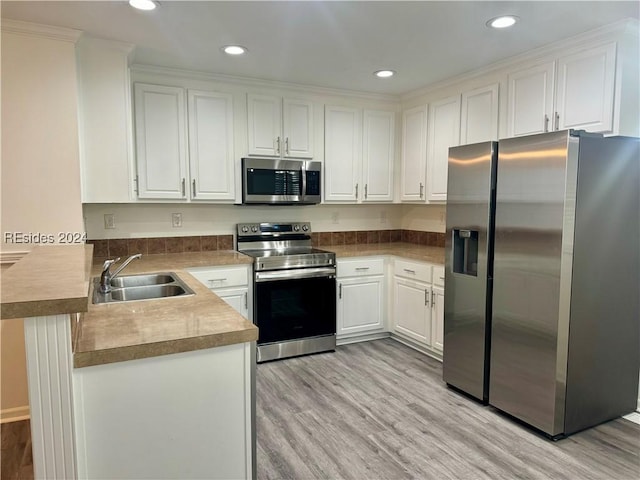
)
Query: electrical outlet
[
  {"x": 442, "y": 218},
  {"x": 176, "y": 220},
  {"x": 109, "y": 220},
  {"x": 335, "y": 218},
  {"x": 383, "y": 217}
]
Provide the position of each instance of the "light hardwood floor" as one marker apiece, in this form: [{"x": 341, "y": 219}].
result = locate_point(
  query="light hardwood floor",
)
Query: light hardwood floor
[{"x": 379, "y": 410}]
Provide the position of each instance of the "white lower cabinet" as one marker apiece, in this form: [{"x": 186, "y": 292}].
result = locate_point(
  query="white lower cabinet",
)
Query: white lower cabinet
[
  {"x": 437, "y": 308},
  {"x": 231, "y": 284},
  {"x": 412, "y": 309},
  {"x": 361, "y": 297},
  {"x": 418, "y": 305}
]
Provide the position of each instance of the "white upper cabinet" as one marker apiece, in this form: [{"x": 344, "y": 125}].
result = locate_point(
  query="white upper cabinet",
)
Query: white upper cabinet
[
  {"x": 444, "y": 132},
  {"x": 414, "y": 154},
  {"x": 575, "y": 91},
  {"x": 530, "y": 100},
  {"x": 211, "y": 160},
  {"x": 161, "y": 147},
  {"x": 105, "y": 99},
  {"x": 359, "y": 155},
  {"x": 586, "y": 84},
  {"x": 279, "y": 127},
  {"x": 180, "y": 157},
  {"x": 342, "y": 155},
  {"x": 468, "y": 117},
  {"x": 479, "y": 118},
  {"x": 378, "y": 155}
]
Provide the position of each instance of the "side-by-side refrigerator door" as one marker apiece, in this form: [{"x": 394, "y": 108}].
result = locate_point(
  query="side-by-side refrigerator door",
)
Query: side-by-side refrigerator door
[{"x": 468, "y": 264}]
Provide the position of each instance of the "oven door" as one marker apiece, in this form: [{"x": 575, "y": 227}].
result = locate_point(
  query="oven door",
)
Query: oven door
[{"x": 295, "y": 304}]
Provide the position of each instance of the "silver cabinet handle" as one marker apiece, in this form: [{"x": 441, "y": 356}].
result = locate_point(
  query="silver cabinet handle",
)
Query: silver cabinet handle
[
  {"x": 278, "y": 145},
  {"x": 184, "y": 187},
  {"x": 246, "y": 302},
  {"x": 433, "y": 300},
  {"x": 557, "y": 126},
  {"x": 546, "y": 123},
  {"x": 286, "y": 146},
  {"x": 193, "y": 187},
  {"x": 137, "y": 183},
  {"x": 409, "y": 271},
  {"x": 211, "y": 280},
  {"x": 359, "y": 269},
  {"x": 441, "y": 278},
  {"x": 421, "y": 189},
  {"x": 426, "y": 298},
  {"x": 366, "y": 185},
  {"x": 356, "y": 191},
  {"x": 340, "y": 291}
]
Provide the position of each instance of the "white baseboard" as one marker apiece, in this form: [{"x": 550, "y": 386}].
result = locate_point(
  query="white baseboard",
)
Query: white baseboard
[
  {"x": 633, "y": 417},
  {"x": 14, "y": 414},
  {"x": 416, "y": 346},
  {"x": 361, "y": 338}
]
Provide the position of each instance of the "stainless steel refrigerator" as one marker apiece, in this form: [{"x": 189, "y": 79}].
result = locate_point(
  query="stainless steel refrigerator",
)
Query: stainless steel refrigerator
[{"x": 542, "y": 281}]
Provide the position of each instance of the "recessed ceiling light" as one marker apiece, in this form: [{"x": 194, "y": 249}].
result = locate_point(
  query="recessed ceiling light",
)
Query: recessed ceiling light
[
  {"x": 143, "y": 4},
  {"x": 384, "y": 73},
  {"x": 234, "y": 49},
  {"x": 503, "y": 21}
]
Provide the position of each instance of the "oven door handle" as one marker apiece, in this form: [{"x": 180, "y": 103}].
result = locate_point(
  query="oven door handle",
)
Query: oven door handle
[{"x": 329, "y": 272}]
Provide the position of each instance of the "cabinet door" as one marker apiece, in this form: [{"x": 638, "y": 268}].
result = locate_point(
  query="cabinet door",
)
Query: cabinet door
[
  {"x": 297, "y": 128},
  {"x": 238, "y": 298},
  {"x": 437, "y": 318},
  {"x": 530, "y": 103},
  {"x": 414, "y": 153},
  {"x": 264, "y": 118},
  {"x": 342, "y": 152},
  {"x": 586, "y": 82},
  {"x": 444, "y": 132},
  {"x": 479, "y": 119},
  {"x": 211, "y": 159},
  {"x": 378, "y": 155},
  {"x": 360, "y": 305},
  {"x": 412, "y": 310},
  {"x": 161, "y": 149},
  {"x": 105, "y": 96}
]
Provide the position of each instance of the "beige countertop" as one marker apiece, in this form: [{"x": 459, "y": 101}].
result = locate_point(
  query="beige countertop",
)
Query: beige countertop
[
  {"x": 49, "y": 280},
  {"x": 122, "y": 331},
  {"x": 406, "y": 250}
]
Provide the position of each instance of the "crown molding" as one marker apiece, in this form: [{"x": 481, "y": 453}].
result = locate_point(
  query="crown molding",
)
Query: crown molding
[
  {"x": 39, "y": 30},
  {"x": 257, "y": 82}
]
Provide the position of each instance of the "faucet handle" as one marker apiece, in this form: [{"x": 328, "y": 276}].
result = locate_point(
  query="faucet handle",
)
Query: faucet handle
[{"x": 108, "y": 263}]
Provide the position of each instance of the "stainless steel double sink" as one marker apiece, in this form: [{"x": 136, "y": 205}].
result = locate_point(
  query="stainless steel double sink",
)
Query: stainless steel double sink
[{"x": 141, "y": 287}]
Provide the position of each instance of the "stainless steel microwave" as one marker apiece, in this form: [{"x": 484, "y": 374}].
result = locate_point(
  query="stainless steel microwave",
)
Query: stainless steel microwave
[{"x": 280, "y": 182}]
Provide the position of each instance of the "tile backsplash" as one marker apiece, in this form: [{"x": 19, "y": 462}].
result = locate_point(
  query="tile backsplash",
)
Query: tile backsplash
[{"x": 121, "y": 247}]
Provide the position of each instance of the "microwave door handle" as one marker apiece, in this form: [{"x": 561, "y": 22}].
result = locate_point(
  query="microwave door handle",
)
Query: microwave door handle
[{"x": 303, "y": 193}]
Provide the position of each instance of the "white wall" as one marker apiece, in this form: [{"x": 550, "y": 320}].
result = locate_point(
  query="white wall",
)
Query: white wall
[
  {"x": 154, "y": 220},
  {"x": 40, "y": 161},
  {"x": 40, "y": 164}
]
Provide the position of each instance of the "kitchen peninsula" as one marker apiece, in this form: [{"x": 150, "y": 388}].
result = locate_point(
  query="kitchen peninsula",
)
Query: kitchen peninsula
[{"x": 159, "y": 388}]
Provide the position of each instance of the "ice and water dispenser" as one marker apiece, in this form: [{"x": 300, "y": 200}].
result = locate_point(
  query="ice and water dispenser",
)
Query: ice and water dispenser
[{"x": 465, "y": 252}]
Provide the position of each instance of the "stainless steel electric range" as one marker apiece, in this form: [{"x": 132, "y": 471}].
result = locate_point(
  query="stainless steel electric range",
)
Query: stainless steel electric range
[{"x": 294, "y": 297}]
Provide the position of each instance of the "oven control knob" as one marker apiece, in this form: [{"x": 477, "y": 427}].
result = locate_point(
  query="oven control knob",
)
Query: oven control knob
[
  {"x": 305, "y": 227},
  {"x": 254, "y": 229},
  {"x": 245, "y": 229},
  {"x": 296, "y": 228}
]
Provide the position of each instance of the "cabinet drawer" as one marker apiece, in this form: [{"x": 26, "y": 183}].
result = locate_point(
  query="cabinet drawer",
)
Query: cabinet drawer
[
  {"x": 438, "y": 275},
  {"x": 412, "y": 270},
  {"x": 221, "y": 277},
  {"x": 360, "y": 267}
]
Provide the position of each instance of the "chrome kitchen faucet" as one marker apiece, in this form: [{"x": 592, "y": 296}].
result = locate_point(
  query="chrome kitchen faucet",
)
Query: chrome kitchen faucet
[{"x": 106, "y": 276}]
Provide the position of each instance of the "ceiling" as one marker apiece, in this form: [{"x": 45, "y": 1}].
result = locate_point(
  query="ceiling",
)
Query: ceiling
[{"x": 331, "y": 44}]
